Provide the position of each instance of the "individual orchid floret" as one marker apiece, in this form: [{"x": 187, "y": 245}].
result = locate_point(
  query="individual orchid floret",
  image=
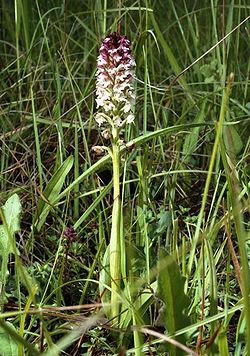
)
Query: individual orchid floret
[{"x": 115, "y": 81}]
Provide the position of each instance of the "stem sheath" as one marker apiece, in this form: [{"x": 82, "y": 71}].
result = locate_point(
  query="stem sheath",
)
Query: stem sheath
[{"x": 115, "y": 249}]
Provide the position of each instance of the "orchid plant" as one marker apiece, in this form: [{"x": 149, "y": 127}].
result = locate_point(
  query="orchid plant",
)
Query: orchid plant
[{"x": 115, "y": 99}]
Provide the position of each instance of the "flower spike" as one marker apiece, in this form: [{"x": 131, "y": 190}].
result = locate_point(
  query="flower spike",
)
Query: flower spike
[{"x": 114, "y": 81}]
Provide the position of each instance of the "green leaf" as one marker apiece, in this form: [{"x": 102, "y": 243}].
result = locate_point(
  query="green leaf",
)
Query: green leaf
[
  {"x": 223, "y": 343},
  {"x": 4, "y": 241},
  {"x": 171, "y": 292},
  {"x": 190, "y": 142},
  {"x": 165, "y": 220},
  {"x": 140, "y": 305},
  {"x": 11, "y": 211},
  {"x": 10, "y": 340},
  {"x": 8, "y": 345},
  {"x": 105, "y": 280},
  {"x": 10, "y": 214},
  {"x": 233, "y": 141},
  {"x": 91, "y": 208},
  {"x": 52, "y": 191}
]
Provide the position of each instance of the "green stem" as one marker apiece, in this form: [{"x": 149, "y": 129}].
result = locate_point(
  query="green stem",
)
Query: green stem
[{"x": 115, "y": 249}]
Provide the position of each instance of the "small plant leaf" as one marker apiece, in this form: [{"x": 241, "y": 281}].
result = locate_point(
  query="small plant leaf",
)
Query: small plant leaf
[
  {"x": 8, "y": 345},
  {"x": 165, "y": 220},
  {"x": 191, "y": 140},
  {"x": 232, "y": 139},
  {"x": 52, "y": 191},
  {"x": 171, "y": 292},
  {"x": 12, "y": 210}
]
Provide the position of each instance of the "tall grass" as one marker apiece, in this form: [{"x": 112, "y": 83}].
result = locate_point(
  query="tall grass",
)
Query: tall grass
[{"x": 184, "y": 180}]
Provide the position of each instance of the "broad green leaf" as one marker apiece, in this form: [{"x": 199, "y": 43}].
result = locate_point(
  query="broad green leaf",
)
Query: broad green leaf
[
  {"x": 8, "y": 347},
  {"x": 12, "y": 210},
  {"x": 171, "y": 292},
  {"x": 52, "y": 191},
  {"x": 165, "y": 220},
  {"x": 233, "y": 141},
  {"x": 190, "y": 142},
  {"x": 10, "y": 340}
]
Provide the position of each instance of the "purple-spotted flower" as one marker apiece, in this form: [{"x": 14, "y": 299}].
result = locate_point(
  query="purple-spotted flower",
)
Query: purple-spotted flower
[{"x": 114, "y": 81}]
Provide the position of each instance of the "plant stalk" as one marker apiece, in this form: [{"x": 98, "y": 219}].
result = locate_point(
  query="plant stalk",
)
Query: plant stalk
[{"x": 115, "y": 248}]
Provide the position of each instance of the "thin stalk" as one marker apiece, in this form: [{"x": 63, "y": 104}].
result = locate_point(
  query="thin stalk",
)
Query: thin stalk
[
  {"x": 115, "y": 250},
  {"x": 76, "y": 175},
  {"x": 37, "y": 141},
  {"x": 17, "y": 34},
  {"x": 137, "y": 336}
]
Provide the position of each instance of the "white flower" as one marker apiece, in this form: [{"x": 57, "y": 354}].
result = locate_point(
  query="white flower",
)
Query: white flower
[
  {"x": 100, "y": 119},
  {"x": 130, "y": 118}
]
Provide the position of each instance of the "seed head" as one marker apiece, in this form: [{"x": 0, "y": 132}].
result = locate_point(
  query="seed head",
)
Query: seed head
[{"x": 114, "y": 81}]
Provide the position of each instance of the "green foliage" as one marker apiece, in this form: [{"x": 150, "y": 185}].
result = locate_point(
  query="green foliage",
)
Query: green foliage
[
  {"x": 10, "y": 214},
  {"x": 184, "y": 178},
  {"x": 192, "y": 138},
  {"x": 8, "y": 346},
  {"x": 233, "y": 140},
  {"x": 51, "y": 192},
  {"x": 105, "y": 281},
  {"x": 171, "y": 291}
]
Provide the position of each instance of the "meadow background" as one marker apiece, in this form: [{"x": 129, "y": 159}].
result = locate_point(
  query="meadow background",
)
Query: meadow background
[{"x": 185, "y": 180}]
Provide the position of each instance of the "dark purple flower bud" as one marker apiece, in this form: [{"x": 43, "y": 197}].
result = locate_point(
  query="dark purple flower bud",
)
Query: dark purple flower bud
[{"x": 70, "y": 234}]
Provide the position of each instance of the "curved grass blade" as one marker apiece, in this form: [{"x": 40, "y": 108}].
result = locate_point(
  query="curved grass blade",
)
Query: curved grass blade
[{"x": 51, "y": 192}]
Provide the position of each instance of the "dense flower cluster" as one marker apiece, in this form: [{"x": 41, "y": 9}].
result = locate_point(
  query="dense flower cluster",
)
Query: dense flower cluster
[
  {"x": 70, "y": 234},
  {"x": 115, "y": 74}
]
